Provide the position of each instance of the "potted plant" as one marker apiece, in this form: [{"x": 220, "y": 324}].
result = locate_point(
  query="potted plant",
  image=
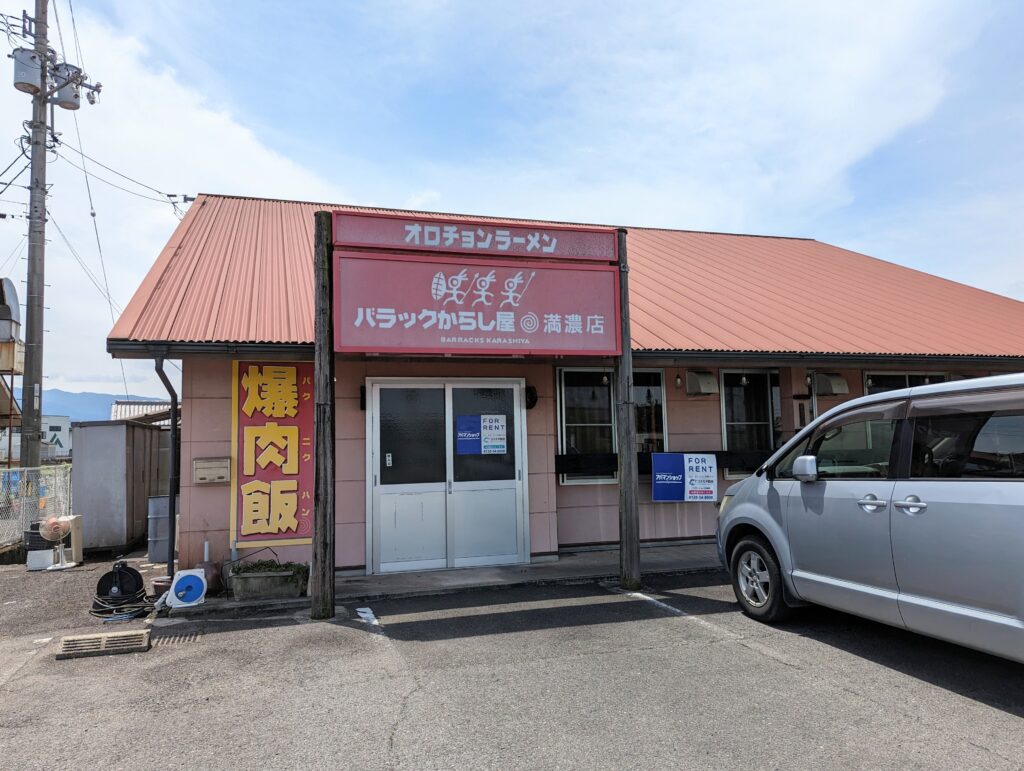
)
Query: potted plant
[{"x": 268, "y": 579}]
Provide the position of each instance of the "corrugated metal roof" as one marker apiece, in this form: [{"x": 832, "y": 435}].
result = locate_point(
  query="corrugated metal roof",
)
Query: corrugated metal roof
[
  {"x": 125, "y": 409},
  {"x": 240, "y": 270}
]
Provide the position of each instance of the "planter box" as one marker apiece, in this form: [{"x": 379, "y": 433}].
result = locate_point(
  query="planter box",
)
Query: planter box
[{"x": 267, "y": 586}]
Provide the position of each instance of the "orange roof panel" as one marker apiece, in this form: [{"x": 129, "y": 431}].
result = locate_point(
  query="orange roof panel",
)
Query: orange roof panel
[{"x": 240, "y": 270}]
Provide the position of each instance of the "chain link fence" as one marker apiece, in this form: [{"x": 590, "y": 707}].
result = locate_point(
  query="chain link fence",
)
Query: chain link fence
[{"x": 27, "y": 494}]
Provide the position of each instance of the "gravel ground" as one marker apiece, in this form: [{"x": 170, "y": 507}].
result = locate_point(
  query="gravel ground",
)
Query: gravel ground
[{"x": 550, "y": 677}]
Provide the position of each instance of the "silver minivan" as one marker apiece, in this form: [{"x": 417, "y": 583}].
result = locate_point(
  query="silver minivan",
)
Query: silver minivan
[{"x": 906, "y": 507}]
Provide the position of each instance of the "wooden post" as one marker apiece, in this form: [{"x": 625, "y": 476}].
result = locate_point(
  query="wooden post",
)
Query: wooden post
[
  {"x": 322, "y": 578},
  {"x": 625, "y": 417}
]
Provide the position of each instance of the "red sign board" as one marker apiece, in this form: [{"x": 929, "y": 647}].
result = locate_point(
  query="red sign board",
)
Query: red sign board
[
  {"x": 272, "y": 453},
  {"x": 386, "y": 303},
  {"x": 455, "y": 236}
]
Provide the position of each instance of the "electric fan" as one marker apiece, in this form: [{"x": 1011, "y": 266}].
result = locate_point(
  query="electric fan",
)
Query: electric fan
[{"x": 56, "y": 529}]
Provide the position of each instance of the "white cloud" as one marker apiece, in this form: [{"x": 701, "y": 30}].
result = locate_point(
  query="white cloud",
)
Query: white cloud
[
  {"x": 740, "y": 116},
  {"x": 157, "y": 130}
]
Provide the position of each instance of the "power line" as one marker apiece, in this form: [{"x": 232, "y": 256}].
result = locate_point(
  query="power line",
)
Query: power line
[
  {"x": 169, "y": 196},
  {"x": 12, "y": 258},
  {"x": 14, "y": 179},
  {"x": 85, "y": 268},
  {"x": 108, "y": 182},
  {"x": 99, "y": 248},
  {"x": 16, "y": 159}
]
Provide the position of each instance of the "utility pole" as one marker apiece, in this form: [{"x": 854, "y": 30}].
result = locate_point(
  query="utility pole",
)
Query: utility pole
[
  {"x": 32, "y": 379},
  {"x": 38, "y": 72},
  {"x": 625, "y": 415},
  {"x": 321, "y": 587}
]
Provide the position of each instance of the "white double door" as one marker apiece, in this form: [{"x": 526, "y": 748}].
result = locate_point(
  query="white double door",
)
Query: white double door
[{"x": 446, "y": 474}]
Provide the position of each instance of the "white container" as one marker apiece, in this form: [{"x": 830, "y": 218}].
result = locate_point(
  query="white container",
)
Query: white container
[
  {"x": 26, "y": 70},
  {"x": 69, "y": 93},
  {"x": 39, "y": 559}
]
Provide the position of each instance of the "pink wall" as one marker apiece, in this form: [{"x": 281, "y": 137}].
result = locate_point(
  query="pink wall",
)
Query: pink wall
[
  {"x": 206, "y": 432},
  {"x": 560, "y": 515}
]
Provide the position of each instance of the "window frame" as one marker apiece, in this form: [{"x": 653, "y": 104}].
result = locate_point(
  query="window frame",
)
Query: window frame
[
  {"x": 729, "y": 473},
  {"x": 563, "y": 479},
  {"x": 906, "y": 373},
  {"x": 922, "y": 407},
  {"x": 664, "y": 404},
  {"x": 894, "y": 467},
  {"x": 560, "y": 417}
]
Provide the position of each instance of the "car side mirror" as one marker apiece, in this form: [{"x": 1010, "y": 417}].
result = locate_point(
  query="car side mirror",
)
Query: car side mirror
[{"x": 805, "y": 468}]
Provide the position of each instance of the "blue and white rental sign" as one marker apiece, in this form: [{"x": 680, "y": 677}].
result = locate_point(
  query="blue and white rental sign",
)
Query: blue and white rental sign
[
  {"x": 467, "y": 434},
  {"x": 493, "y": 439},
  {"x": 701, "y": 477},
  {"x": 667, "y": 474}
]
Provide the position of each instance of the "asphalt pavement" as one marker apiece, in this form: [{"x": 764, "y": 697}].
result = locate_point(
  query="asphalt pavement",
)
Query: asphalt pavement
[{"x": 576, "y": 676}]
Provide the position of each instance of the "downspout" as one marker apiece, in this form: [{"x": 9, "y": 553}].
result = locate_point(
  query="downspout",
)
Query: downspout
[{"x": 172, "y": 484}]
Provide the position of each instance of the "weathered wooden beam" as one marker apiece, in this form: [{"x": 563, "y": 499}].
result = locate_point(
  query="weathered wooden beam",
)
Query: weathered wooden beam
[
  {"x": 625, "y": 415},
  {"x": 322, "y": 577}
]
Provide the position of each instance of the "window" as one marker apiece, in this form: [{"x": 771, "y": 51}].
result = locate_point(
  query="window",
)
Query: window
[
  {"x": 880, "y": 382},
  {"x": 784, "y": 468},
  {"x": 56, "y": 429},
  {"x": 974, "y": 445},
  {"x": 751, "y": 413},
  {"x": 649, "y": 397},
  {"x": 587, "y": 415},
  {"x": 858, "y": 444}
]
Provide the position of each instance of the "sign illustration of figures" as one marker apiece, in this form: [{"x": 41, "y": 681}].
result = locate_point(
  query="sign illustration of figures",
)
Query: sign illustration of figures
[
  {"x": 272, "y": 453},
  {"x": 394, "y": 305}
]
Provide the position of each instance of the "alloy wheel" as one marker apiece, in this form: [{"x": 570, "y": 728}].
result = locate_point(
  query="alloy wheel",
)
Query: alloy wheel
[{"x": 754, "y": 581}]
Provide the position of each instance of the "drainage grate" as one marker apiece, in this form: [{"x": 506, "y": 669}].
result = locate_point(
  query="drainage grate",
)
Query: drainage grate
[
  {"x": 174, "y": 639},
  {"x": 103, "y": 644}
]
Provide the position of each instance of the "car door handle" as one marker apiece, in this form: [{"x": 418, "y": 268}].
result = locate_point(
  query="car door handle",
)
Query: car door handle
[
  {"x": 872, "y": 502},
  {"x": 910, "y": 504}
]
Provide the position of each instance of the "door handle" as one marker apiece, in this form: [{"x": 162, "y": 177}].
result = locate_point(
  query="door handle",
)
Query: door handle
[
  {"x": 449, "y": 487},
  {"x": 912, "y": 505},
  {"x": 872, "y": 502}
]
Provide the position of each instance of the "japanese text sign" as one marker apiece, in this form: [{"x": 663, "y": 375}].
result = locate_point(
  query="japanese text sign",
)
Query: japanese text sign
[
  {"x": 272, "y": 453},
  {"x": 480, "y": 435},
  {"x": 392, "y": 304},
  {"x": 474, "y": 237},
  {"x": 701, "y": 477},
  {"x": 667, "y": 474},
  {"x": 678, "y": 476}
]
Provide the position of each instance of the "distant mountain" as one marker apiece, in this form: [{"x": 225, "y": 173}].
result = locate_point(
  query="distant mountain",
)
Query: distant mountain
[{"x": 79, "y": 406}]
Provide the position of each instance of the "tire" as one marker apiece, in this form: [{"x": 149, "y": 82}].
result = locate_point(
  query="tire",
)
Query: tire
[{"x": 757, "y": 580}]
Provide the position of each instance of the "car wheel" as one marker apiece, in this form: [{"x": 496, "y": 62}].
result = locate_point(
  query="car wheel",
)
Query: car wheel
[{"x": 757, "y": 580}]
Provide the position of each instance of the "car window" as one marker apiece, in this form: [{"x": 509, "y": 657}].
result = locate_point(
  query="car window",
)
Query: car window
[
  {"x": 857, "y": 445},
  {"x": 784, "y": 468},
  {"x": 986, "y": 445}
]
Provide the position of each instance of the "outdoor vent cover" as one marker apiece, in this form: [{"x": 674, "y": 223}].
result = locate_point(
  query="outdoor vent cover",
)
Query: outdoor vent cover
[
  {"x": 701, "y": 383},
  {"x": 78, "y": 646},
  {"x": 830, "y": 385},
  {"x": 211, "y": 471}
]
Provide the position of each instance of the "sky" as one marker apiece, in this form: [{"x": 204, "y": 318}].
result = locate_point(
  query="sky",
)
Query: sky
[{"x": 892, "y": 129}]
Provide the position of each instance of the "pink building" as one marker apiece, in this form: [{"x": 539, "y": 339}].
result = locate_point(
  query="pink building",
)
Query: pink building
[{"x": 738, "y": 341}]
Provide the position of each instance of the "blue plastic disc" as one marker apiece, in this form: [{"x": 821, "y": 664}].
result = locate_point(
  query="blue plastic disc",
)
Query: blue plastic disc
[{"x": 189, "y": 588}]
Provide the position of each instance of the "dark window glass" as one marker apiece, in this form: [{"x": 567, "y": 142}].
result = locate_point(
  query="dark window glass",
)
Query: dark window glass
[
  {"x": 855, "y": 450},
  {"x": 486, "y": 465},
  {"x": 784, "y": 468},
  {"x": 56, "y": 429},
  {"x": 587, "y": 416},
  {"x": 752, "y": 413},
  {"x": 412, "y": 434},
  {"x": 648, "y": 395},
  {"x": 890, "y": 381},
  {"x": 986, "y": 445}
]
